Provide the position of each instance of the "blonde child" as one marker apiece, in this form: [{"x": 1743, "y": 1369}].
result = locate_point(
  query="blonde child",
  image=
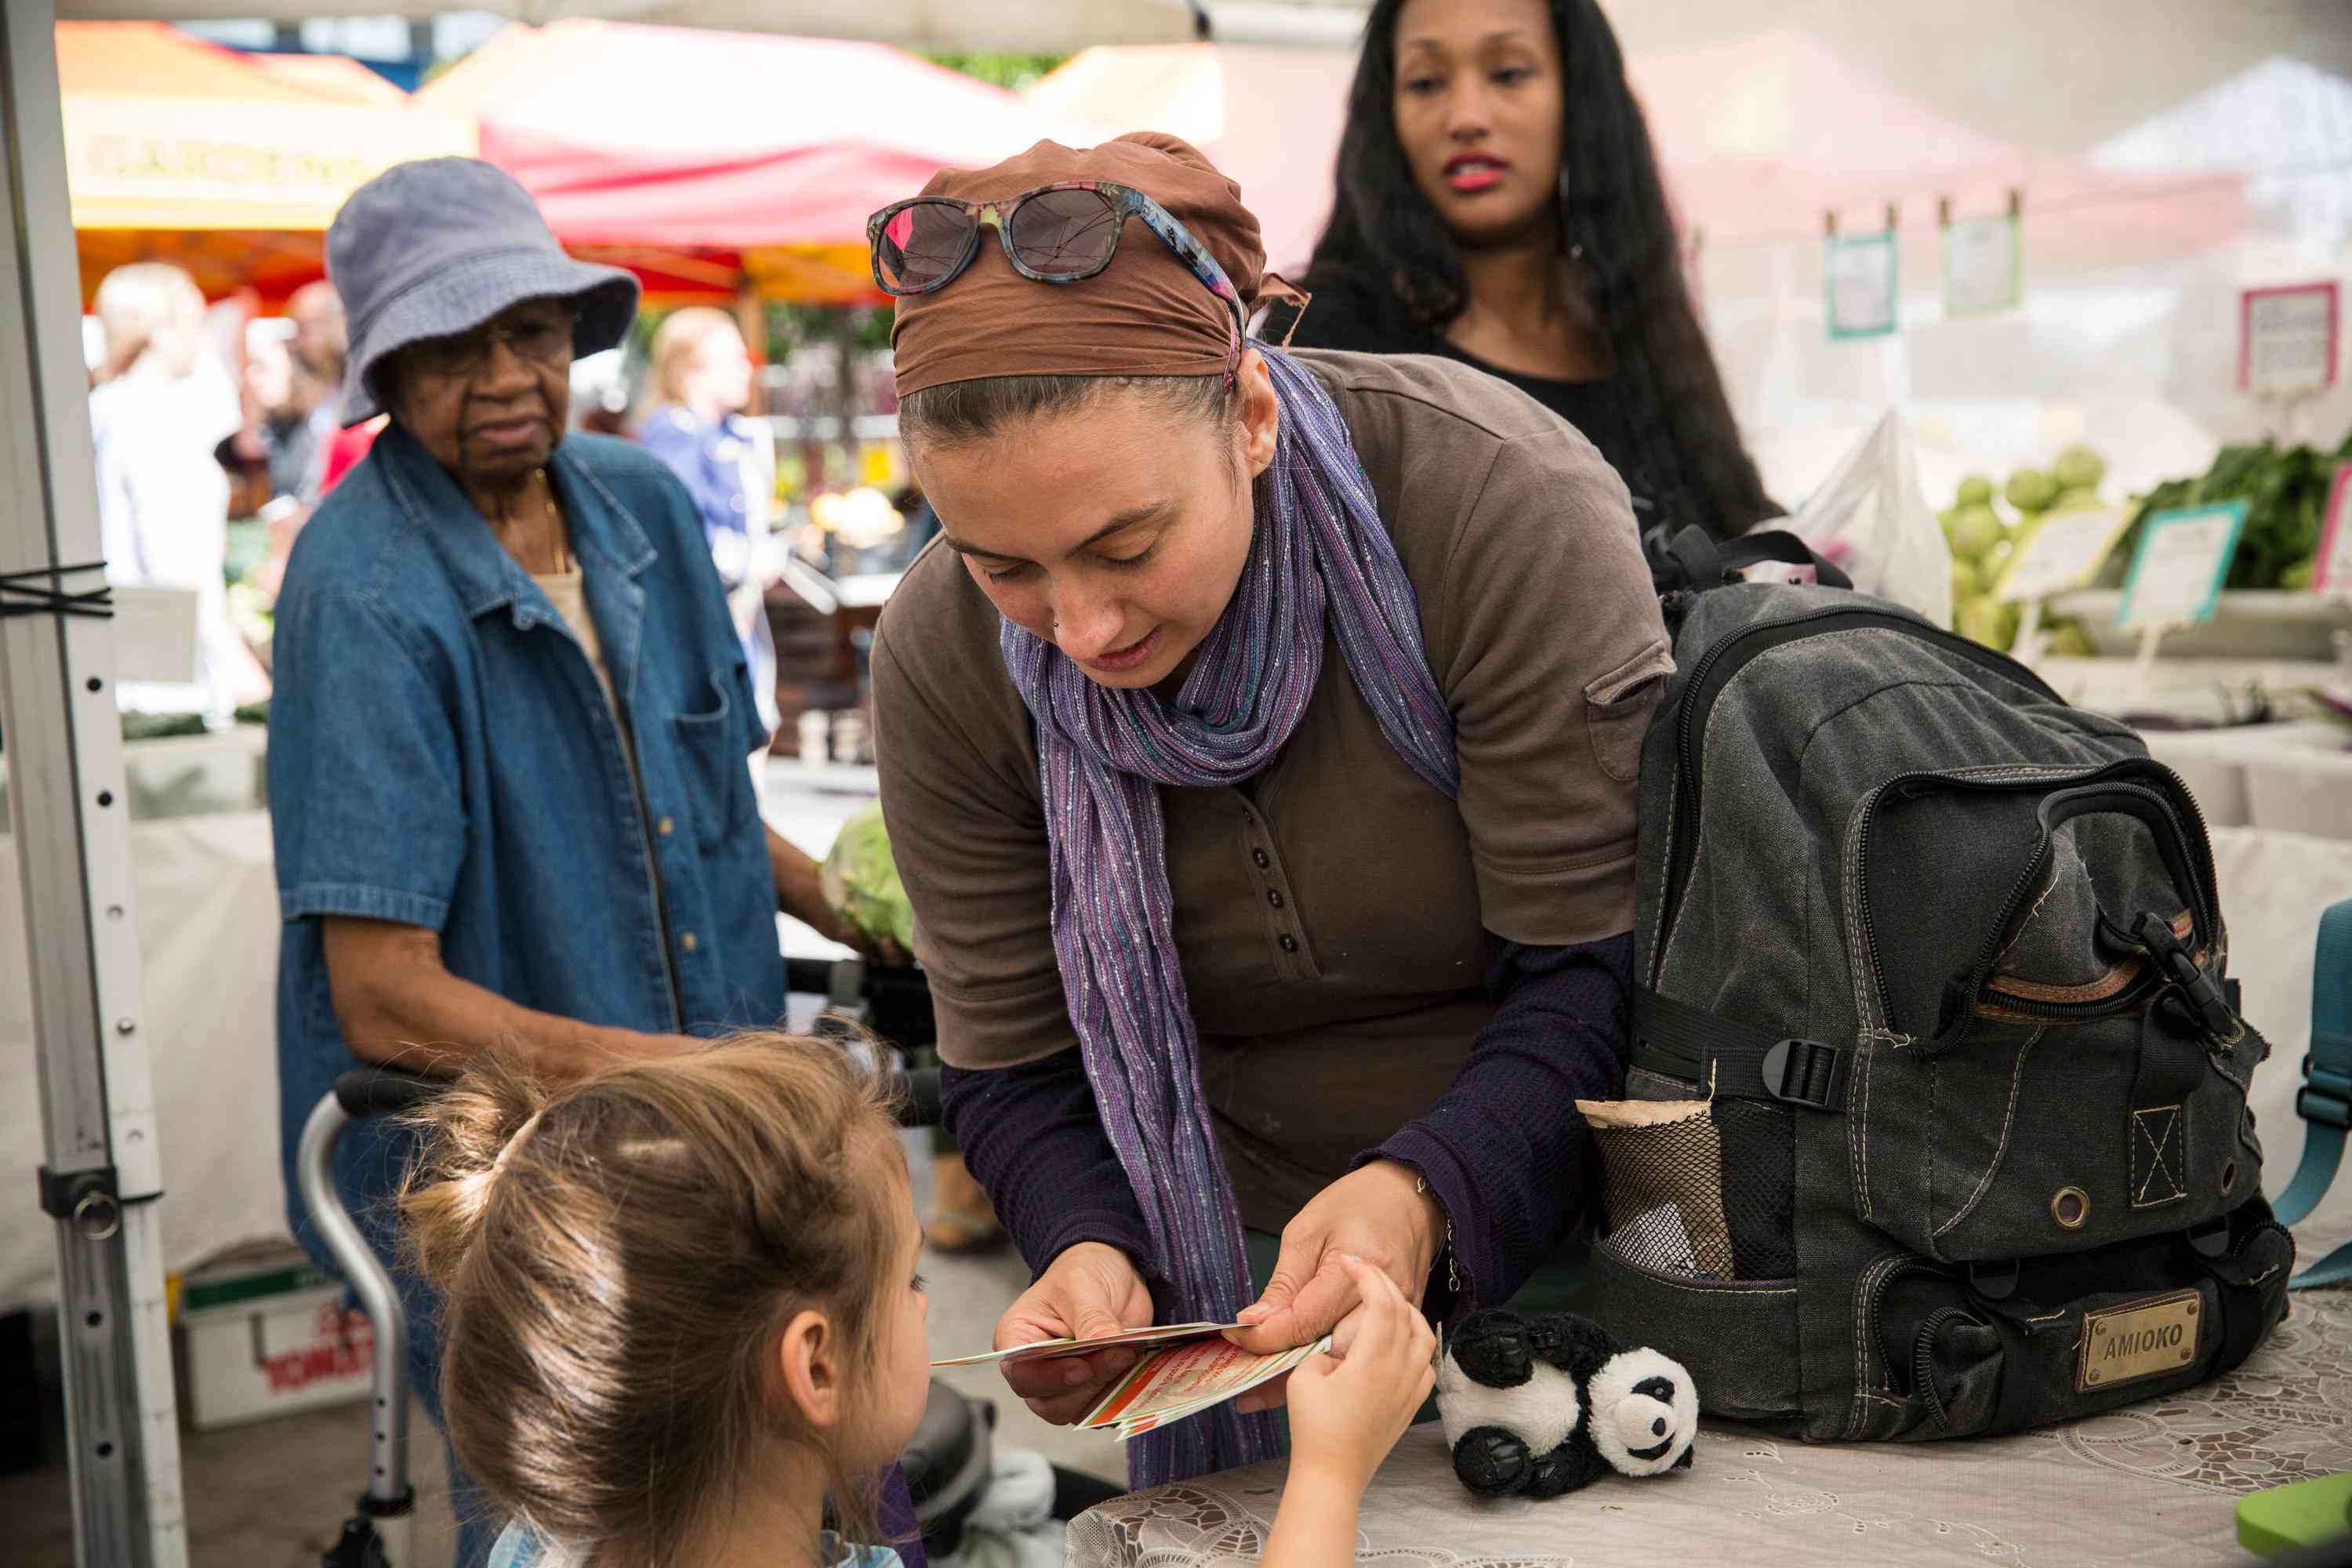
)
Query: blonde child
[{"x": 682, "y": 1313}]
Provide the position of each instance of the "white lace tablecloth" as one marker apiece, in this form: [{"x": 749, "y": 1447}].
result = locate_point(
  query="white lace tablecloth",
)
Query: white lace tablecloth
[{"x": 2155, "y": 1483}]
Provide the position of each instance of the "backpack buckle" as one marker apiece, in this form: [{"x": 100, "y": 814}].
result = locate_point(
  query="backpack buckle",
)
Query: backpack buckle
[
  {"x": 1805, "y": 1072},
  {"x": 2207, "y": 1001}
]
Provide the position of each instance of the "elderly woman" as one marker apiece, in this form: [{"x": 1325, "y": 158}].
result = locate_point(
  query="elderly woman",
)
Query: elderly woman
[
  {"x": 1258, "y": 741},
  {"x": 507, "y": 767}
]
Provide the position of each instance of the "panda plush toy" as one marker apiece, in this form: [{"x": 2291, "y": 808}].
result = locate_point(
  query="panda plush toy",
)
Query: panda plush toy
[{"x": 1542, "y": 1406}]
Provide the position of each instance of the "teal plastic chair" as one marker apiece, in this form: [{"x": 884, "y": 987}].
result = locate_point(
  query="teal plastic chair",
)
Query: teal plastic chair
[{"x": 2324, "y": 1102}]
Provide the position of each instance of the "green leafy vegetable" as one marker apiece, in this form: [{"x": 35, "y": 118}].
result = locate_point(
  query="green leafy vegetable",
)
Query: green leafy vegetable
[
  {"x": 2284, "y": 490},
  {"x": 861, "y": 880}
]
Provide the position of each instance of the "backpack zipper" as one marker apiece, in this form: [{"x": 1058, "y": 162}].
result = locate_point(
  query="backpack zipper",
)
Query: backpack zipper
[
  {"x": 1980, "y": 971},
  {"x": 1715, "y": 670},
  {"x": 1923, "y": 1360}
]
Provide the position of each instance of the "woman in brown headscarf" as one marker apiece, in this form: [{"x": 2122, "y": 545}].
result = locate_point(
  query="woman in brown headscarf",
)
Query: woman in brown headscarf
[{"x": 1224, "y": 939}]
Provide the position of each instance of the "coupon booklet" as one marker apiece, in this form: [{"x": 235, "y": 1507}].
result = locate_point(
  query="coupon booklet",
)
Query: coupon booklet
[
  {"x": 1048, "y": 1349},
  {"x": 1185, "y": 1379}
]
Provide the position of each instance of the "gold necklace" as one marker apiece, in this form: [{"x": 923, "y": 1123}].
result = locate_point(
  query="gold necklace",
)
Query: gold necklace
[{"x": 555, "y": 523}]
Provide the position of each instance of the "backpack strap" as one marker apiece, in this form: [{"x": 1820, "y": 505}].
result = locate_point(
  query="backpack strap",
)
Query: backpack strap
[
  {"x": 1694, "y": 561},
  {"x": 1679, "y": 1040},
  {"x": 2324, "y": 1102}
]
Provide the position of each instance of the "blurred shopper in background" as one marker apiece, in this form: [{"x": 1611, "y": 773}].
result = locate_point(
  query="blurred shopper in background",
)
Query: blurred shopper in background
[
  {"x": 282, "y": 437},
  {"x": 1500, "y": 203},
  {"x": 318, "y": 350},
  {"x": 701, "y": 384},
  {"x": 162, "y": 407}
]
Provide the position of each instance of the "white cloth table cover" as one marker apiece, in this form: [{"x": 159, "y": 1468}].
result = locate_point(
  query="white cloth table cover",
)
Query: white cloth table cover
[
  {"x": 205, "y": 901},
  {"x": 2154, "y": 1485}
]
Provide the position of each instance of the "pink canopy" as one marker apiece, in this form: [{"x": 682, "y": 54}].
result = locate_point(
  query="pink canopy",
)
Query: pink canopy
[
  {"x": 1763, "y": 133},
  {"x": 679, "y": 139}
]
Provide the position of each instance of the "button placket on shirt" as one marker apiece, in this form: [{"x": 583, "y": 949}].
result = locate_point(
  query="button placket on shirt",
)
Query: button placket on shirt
[{"x": 1291, "y": 956}]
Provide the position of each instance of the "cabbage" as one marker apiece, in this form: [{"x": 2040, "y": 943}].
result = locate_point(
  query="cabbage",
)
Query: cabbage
[{"x": 861, "y": 880}]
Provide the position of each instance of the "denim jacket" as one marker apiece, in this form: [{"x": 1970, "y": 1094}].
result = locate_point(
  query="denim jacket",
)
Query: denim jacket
[{"x": 442, "y": 755}]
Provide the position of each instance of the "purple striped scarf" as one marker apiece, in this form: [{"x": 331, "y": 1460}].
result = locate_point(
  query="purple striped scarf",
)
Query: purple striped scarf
[{"x": 1319, "y": 556}]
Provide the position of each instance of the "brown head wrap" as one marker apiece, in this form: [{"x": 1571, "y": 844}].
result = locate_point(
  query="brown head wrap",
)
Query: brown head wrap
[{"x": 1145, "y": 314}]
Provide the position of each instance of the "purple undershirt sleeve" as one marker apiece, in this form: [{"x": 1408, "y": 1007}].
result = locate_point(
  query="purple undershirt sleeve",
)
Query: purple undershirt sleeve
[
  {"x": 1504, "y": 1151},
  {"x": 1033, "y": 1137}
]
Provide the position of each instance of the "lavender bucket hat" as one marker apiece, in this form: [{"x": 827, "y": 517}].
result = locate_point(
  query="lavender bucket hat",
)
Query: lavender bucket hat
[{"x": 435, "y": 247}]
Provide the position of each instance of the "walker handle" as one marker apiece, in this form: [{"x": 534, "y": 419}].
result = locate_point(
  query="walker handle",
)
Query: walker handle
[{"x": 383, "y": 1091}]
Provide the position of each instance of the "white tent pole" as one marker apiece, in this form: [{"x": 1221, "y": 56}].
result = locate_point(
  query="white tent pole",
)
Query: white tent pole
[{"x": 68, "y": 809}]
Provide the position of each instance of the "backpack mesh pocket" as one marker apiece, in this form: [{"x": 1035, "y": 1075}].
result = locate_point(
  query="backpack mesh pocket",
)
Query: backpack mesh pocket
[{"x": 1693, "y": 1187}]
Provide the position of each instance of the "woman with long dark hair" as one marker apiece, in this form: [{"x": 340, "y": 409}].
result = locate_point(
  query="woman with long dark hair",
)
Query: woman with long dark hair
[{"x": 1499, "y": 203}]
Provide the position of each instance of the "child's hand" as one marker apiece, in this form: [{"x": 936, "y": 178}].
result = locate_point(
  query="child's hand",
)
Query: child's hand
[{"x": 1347, "y": 1414}]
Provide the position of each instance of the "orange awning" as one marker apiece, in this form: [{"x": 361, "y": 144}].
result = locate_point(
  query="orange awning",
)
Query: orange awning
[{"x": 166, "y": 132}]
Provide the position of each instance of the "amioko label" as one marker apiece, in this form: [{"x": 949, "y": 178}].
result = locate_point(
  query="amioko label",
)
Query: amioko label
[{"x": 2141, "y": 1339}]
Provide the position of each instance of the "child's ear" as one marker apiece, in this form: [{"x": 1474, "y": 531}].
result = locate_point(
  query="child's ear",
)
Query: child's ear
[{"x": 809, "y": 1356}]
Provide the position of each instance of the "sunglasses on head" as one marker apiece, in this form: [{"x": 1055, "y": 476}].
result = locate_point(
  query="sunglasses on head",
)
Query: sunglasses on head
[{"x": 1056, "y": 234}]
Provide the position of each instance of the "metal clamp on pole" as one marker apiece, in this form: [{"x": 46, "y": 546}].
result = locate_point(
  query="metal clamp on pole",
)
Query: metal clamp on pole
[{"x": 91, "y": 1199}]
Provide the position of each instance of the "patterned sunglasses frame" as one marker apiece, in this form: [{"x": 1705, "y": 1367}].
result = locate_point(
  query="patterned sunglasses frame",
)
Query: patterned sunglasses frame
[{"x": 1126, "y": 202}]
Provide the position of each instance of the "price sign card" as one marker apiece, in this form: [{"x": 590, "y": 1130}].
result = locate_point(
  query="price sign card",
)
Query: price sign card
[
  {"x": 1982, "y": 272},
  {"x": 2183, "y": 557},
  {"x": 2062, "y": 554},
  {"x": 2333, "y": 574},
  {"x": 2286, "y": 339},
  {"x": 1860, "y": 285}
]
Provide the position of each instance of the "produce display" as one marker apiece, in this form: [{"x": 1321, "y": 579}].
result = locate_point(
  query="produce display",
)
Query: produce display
[
  {"x": 1983, "y": 538},
  {"x": 2286, "y": 492}
]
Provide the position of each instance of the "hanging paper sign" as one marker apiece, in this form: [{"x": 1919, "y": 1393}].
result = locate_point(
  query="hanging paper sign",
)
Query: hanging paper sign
[
  {"x": 1983, "y": 271},
  {"x": 2062, "y": 554},
  {"x": 2287, "y": 339},
  {"x": 154, "y": 634},
  {"x": 1860, "y": 285},
  {"x": 2332, "y": 574},
  {"x": 2184, "y": 555}
]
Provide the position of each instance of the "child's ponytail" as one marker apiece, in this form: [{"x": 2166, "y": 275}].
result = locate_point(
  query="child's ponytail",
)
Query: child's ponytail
[{"x": 469, "y": 1129}]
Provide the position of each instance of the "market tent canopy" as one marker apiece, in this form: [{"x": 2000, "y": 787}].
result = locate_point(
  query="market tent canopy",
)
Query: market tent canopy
[
  {"x": 338, "y": 74},
  {"x": 762, "y": 153},
  {"x": 1763, "y": 134},
  {"x": 1055, "y": 26},
  {"x": 2286, "y": 126},
  {"x": 1269, "y": 117},
  {"x": 163, "y": 131},
  {"x": 180, "y": 151}
]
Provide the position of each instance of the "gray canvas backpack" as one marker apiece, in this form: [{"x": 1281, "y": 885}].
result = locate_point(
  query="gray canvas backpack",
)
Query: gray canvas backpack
[{"x": 1937, "y": 1112}]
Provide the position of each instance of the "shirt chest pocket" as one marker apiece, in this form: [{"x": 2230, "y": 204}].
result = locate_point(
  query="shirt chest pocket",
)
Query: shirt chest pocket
[{"x": 714, "y": 768}]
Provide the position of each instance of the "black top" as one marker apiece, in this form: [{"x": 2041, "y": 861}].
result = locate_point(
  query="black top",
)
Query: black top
[{"x": 1339, "y": 320}]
